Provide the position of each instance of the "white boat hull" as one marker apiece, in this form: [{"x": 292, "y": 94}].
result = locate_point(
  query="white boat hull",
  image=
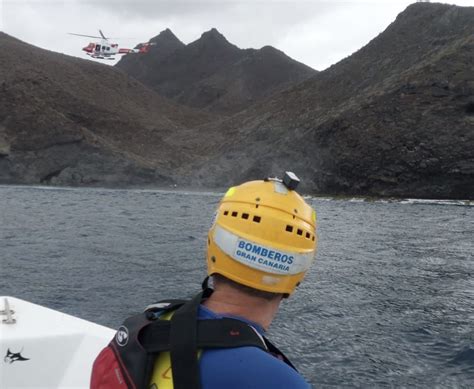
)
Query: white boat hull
[{"x": 45, "y": 348}]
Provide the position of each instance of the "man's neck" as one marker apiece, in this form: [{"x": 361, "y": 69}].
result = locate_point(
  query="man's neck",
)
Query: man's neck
[{"x": 226, "y": 300}]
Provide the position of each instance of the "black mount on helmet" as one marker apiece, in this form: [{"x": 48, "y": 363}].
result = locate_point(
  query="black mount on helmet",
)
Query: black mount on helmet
[{"x": 290, "y": 180}]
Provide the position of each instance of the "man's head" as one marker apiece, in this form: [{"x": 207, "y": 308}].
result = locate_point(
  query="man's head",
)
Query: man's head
[{"x": 263, "y": 236}]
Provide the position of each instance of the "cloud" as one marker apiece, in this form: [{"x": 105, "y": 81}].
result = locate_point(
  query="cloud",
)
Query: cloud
[
  {"x": 246, "y": 24},
  {"x": 323, "y": 41},
  {"x": 317, "y": 33}
]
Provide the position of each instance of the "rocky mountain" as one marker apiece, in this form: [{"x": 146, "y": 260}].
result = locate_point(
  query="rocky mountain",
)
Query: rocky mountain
[
  {"x": 65, "y": 120},
  {"x": 213, "y": 74},
  {"x": 395, "y": 119},
  {"x": 163, "y": 45}
]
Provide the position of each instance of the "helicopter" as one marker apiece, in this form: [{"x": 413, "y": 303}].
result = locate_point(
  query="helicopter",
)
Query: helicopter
[{"x": 106, "y": 50}]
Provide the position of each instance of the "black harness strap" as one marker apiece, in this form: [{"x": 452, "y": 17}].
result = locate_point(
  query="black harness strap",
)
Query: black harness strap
[
  {"x": 227, "y": 333},
  {"x": 272, "y": 349},
  {"x": 165, "y": 306},
  {"x": 184, "y": 348},
  {"x": 222, "y": 333}
]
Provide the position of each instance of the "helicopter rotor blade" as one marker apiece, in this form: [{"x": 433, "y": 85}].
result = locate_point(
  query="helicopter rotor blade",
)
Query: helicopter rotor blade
[
  {"x": 102, "y": 35},
  {"x": 88, "y": 36}
]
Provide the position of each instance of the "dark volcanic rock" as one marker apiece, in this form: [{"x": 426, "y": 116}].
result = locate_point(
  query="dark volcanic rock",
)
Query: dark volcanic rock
[
  {"x": 394, "y": 119},
  {"x": 69, "y": 121},
  {"x": 164, "y": 44},
  {"x": 215, "y": 75}
]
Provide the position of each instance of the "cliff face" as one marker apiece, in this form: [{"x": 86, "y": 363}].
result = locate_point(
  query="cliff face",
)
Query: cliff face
[
  {"x": 396, "y": 118},
  {"x": 69, "y": 121},
  {"x": 213, "y": 74}
]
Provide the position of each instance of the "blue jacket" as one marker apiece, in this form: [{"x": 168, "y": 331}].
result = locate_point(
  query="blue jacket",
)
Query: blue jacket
[{"x": 245, "y": 367}]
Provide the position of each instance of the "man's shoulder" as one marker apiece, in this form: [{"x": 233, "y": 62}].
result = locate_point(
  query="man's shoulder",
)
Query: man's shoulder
[{"x": 247, "y": 367}]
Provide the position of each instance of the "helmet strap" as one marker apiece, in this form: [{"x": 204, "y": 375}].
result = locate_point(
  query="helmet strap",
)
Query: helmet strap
[{"x": 205, "y": 284}]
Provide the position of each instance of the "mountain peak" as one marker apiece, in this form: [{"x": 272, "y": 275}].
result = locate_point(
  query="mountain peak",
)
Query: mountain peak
[
  {"x": 164, "y": 44},
  {"x": 166, "y": 36},
  {"x": 213, "y": 40},
  {"x": 213, "y": 34}
]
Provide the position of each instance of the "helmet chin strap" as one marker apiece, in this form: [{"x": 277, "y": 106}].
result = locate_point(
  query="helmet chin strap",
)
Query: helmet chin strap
[{"x": 205, "y": 284}]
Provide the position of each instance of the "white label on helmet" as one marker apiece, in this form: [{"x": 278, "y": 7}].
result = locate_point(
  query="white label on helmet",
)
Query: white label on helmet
[{"x": 260, "y": 257}]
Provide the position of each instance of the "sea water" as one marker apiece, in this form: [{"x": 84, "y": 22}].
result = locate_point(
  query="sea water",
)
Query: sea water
[{"x": 389, "y": 301}]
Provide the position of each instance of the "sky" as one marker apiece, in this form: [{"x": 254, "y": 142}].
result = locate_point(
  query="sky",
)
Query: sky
[{"x": 317, "y": 33}]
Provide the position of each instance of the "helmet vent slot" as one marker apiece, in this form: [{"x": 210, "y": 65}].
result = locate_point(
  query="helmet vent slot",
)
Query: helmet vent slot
[
  {"x": 299, "y": 232},
  {"x": 312, "y": 238},
  {"x": 289, "y": 228},
  {"x": 234, "y": 214},
  {"x": 245, "y": 216},
  {"x": 226, "y": 213},
  {"x": 257, "y": 219},
  {"x": 308, "y": 235}
]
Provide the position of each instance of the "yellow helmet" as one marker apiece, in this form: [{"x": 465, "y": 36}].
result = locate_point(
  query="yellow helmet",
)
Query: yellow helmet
[{"x": 263, "y": 235}]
